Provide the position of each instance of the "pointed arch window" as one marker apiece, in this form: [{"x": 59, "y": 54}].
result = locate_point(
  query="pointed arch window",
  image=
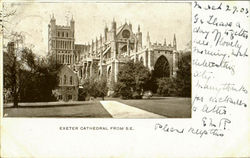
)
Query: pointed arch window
[
  {"x": 71, "y": 80},
  {"x": 141, "y": 60},
  {"x": 64, "y": 79},
  {"x": 124, "y": 48},
  {"x": 162, "y": 67}
]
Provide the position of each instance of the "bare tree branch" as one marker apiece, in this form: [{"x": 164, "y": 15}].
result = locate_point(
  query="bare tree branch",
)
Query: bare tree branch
[{"x": 5, "y": 14}]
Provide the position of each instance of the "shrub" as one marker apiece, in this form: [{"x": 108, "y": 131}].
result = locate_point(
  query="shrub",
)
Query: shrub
[
  {"x": 82, "y": 94},
  {"x": 132, "y": 78},
  {"x": 166, "y": 86},
  {"x": 94, "y": 87}
]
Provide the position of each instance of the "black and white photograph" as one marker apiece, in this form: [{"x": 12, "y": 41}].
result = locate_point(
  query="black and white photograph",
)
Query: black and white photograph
[
  {"x": 97, "y": 60},
  {"x": 124, "y": 79}
]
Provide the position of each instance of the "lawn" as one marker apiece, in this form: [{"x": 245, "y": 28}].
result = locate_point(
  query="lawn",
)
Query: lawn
[
  {"x": 171, "y": 107},
  {"x": 92, "y": 109}
]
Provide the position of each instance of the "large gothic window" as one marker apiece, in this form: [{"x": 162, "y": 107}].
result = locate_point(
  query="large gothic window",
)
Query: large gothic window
[{"x": 161, "y": 68}]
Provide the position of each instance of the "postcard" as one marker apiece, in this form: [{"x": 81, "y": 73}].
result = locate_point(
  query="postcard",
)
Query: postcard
[{"x": 124, "y": 79}]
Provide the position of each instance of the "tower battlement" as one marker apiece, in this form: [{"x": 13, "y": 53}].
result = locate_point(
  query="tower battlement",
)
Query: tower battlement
[
  {"x": 161, "y": 46},
  {"x": 62, "y": 27}
]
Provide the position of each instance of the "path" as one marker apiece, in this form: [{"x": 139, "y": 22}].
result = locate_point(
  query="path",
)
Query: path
[{"x": 120, "y": 110}]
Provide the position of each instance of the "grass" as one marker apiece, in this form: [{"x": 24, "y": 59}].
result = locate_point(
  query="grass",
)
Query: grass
[
  {"x": 171, "y": 107},
  {"x": 92, "y": 109}
]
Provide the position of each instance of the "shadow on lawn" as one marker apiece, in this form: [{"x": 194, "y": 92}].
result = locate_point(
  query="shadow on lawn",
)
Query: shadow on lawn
[
  {"x": 153, "y": 98},
  {"x": 166, "y": 98},
  {"x": 48, "y": 106}
]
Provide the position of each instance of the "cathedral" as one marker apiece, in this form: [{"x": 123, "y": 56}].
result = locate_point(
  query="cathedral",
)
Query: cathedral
[{"x": 106, "y": 54}]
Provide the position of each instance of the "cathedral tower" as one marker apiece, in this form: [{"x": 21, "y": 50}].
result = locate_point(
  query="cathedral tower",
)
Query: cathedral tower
[{"x": 61, "y": 42}]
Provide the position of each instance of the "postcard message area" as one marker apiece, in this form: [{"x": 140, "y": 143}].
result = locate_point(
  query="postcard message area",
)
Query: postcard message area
[
  {"x": 220, "y": 54},
  {"x": 220, "y": 105}
]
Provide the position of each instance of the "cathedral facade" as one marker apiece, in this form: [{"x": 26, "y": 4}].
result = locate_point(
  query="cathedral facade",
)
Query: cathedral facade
[{"x": 107, "y": 53}]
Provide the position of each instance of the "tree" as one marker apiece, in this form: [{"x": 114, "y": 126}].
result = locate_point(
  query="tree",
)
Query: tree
[
  {"x": 102, "y": 87},
  {"x": 5, "y": 14},
  {"x": 132, "y": 79},
  {"x": 82, "y": 94},
  {"x": 42, "y": 78},
  {"x": 184, "y": 75},
  {"x": 12, "y": 67},
  {"x": 166, "y": 86},
  {"x": 94, "y": 86},
  {"x": 29, "y": 78},
  {"x": 11, "y": 71}
]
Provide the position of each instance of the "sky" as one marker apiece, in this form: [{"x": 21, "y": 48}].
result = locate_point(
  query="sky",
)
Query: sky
[{"x": 161, "y": 20}]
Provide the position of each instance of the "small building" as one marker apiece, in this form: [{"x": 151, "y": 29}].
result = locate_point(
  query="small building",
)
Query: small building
[{"x": 68, "y": 84}]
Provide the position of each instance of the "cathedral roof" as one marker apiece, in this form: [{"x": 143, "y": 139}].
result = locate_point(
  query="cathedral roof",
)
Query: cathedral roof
[
  {"x": 107, "y": 49},
  {"x": 64, "y": 68},
  {"x": 119, "y": 29}
]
